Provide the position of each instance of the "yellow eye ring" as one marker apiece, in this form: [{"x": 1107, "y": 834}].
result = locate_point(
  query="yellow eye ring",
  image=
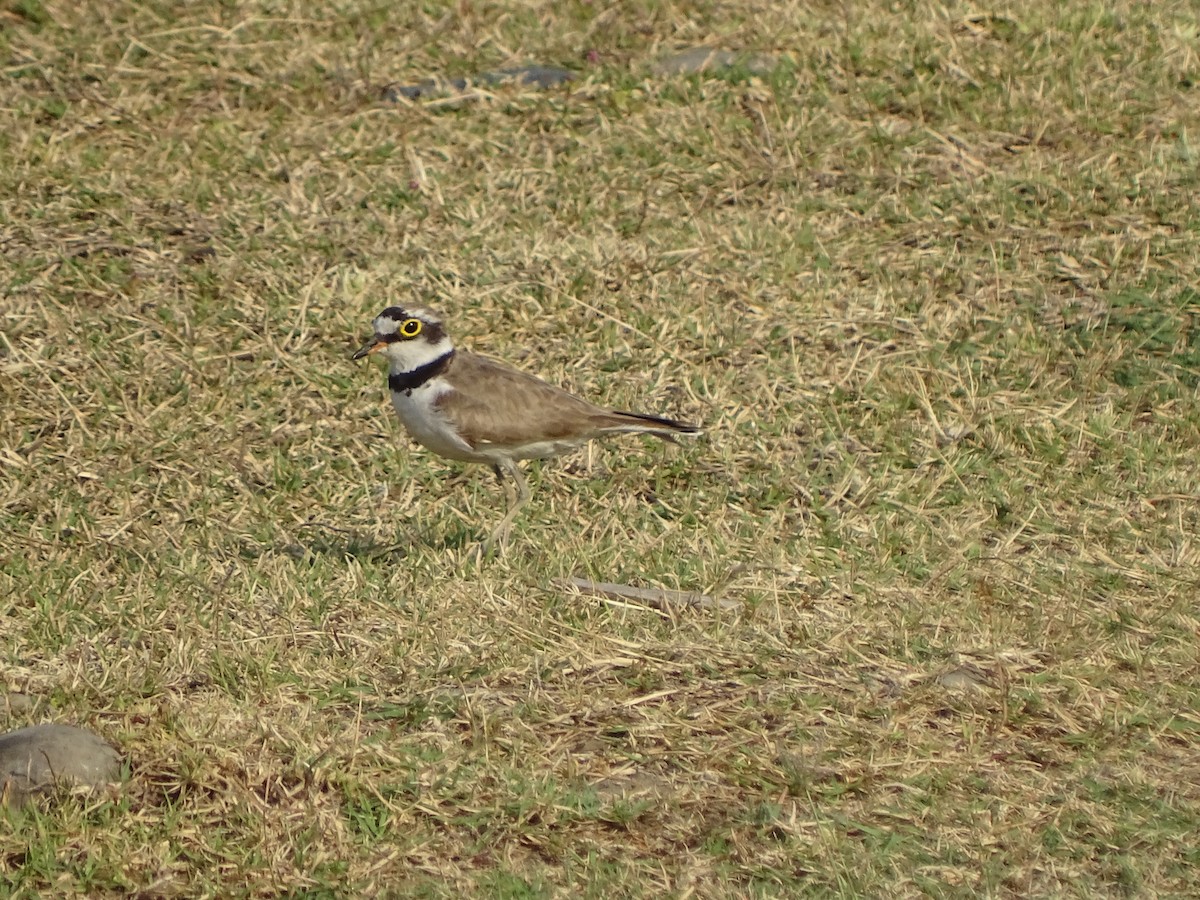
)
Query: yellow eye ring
[{"x": 411, "y": 328}]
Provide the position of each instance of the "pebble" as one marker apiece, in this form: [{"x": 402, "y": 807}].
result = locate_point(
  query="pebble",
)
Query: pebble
[{"x": 36, "y": 758}]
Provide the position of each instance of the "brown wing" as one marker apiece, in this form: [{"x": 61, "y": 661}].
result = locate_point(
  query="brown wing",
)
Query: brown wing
[{"x": 508, "y": 407}]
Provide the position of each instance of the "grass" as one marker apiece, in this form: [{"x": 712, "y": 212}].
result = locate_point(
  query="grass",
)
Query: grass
[{"x": 930, "y": 288}]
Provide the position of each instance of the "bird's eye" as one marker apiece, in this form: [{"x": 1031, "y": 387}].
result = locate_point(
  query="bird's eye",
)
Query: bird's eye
[{"x": 411, "y": 328}]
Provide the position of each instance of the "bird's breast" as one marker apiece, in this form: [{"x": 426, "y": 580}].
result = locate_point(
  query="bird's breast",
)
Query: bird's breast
[{"x": 426, "y": 424}]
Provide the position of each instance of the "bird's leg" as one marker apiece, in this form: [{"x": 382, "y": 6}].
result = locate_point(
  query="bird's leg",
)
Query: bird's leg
[{"x": 499, "y": 535}]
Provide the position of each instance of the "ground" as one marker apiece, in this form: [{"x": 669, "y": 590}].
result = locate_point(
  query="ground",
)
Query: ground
[{"x": 929, "y": 285}]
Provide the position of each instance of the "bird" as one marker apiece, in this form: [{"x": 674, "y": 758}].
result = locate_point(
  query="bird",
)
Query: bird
[{"x": 467, "y": 407}]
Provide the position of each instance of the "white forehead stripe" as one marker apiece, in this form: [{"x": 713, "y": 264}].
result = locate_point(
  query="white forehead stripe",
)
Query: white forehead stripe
[{"x": 385, "y": 325}]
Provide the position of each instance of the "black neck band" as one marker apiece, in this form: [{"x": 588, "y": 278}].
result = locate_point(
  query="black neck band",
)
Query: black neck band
[{"x": 406, "y": 381}]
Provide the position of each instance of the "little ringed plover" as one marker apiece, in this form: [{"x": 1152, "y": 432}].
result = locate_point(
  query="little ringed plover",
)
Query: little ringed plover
[{"x": 470, "y": 408}]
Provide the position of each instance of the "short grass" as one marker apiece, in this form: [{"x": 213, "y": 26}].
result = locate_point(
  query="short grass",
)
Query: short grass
[{"x": 931, "y": 287}]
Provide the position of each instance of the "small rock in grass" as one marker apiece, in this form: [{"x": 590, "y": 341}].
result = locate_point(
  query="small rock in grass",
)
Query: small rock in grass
[{"x": 37, "y": 758}]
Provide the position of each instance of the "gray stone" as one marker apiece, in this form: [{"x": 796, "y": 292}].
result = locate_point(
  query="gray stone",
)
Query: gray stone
[{"x": 38, "y": 757}]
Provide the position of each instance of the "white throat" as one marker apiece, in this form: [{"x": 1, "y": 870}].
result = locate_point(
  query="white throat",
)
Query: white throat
[{"x": 406, "y": 356}]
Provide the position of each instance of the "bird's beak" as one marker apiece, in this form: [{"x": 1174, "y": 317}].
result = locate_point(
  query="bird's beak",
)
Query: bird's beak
[{"x": 372, "y": 346}]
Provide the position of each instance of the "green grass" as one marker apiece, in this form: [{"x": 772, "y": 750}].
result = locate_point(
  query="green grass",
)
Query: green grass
[{"x": 930, "y": 288}]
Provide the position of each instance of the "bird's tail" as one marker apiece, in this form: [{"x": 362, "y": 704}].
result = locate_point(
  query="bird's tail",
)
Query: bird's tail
[{"x": 655, "y": 425}]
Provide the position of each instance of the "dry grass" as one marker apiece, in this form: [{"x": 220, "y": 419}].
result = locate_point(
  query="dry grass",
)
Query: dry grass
[{"x": 931, "y": 288}]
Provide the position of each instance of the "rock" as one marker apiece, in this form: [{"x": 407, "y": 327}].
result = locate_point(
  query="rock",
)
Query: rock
[{"x": 39, "y": 757}]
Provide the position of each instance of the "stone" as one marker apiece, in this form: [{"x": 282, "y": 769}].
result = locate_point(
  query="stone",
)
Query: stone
[{"x": 37, "y": 758}]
